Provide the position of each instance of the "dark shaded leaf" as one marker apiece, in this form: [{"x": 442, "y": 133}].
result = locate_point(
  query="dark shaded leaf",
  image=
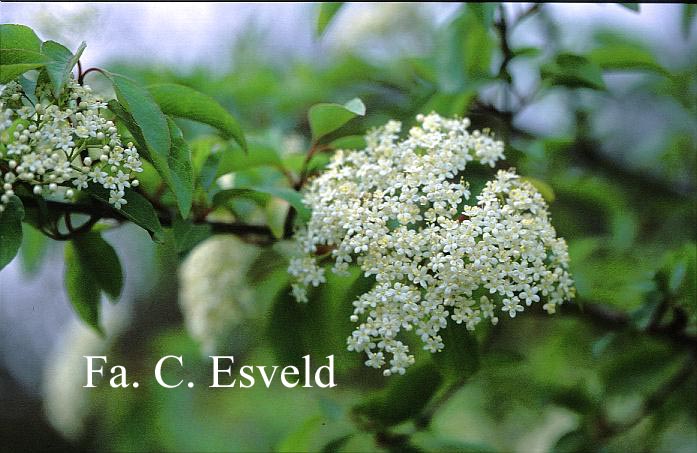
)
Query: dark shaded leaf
[
  {"x": 187, "y": 234},
  {"x": 100, "y": 262},
  {"x": 460, "y": 358},
  {"x": 404, "y": 398},
  {"x": 631, "y": 6},
  {"x": 83, "y": 291},
  {"x": 137, "y": 209},
  {"x": 10, "y": 230}
]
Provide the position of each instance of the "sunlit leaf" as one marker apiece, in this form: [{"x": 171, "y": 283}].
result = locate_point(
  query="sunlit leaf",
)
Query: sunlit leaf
[
  {"x": 15, "y": 62},
  {"x": 326, "y": 118},
  {"x": 13, "y": 36},
  {"x": 146, "y": 122},
  {"x": 33, "y": 248},
  {"x": 349, "y": 142},
  {"x": 184, "y": 102}
]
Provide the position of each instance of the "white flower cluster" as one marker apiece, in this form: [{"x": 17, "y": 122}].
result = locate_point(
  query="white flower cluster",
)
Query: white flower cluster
[
  {"x": 399, "y": 208},
  {"x": 214, "y": 294},
  {"x": 58, "y": 145}
]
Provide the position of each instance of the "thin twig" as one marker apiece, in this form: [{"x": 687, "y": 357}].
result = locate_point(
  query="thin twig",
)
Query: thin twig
[
  {"x": 612, "y": 319},
  {"x": 654, "y": 401},
  {"x": 81, "y": 78}
]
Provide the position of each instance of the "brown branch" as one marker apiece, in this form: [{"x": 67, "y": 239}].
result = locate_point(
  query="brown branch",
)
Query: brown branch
[
  {"x": 612, "y": 319},
  {"x": 260, "y": 234},
  {"x": 81, "y": 77}
]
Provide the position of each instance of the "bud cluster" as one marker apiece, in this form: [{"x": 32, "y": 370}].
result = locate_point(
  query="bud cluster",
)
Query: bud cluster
[{"x": 59, "y": 145}]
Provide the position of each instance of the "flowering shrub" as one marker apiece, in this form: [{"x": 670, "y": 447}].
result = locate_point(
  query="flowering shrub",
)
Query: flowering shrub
[
  {"x": 400, "y": 209},
  {"x": 60, "y": 144},
  {"x": 432, "y": 236}
]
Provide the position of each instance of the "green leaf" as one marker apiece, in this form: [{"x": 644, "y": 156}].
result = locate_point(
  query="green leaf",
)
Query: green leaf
[
  {"x": 325, "y": 118},
  {"x": 460, "y": 358},
  {"x": 301, "y": 439},
  {"x": 294, "y": 198},
  {"x": 183, "y": 102},
  {"x": 449, "y": 104},
  {"x": 222, "y": 197},
  {"x": 327, "y": 11},
  {"x": 404, "y": 397},
  {"x": 465, "y": 49},
  {"x": 187, "y": 234},
  {"x": 545, "y": 189},
  {"x": 100, "y": 263},
  {"x": 10, "y": 230},
  {"x": 137, "y": 209},
  {"x": 233, "y": 158},
  {"x": 33, "y": 248},
  {"x": 574, "y": 442},
  {"x": 83, "y": 291},
  {"x": 145, "y": 121},
  {"x": 62, "y": 64},
  {"x": 573, "y": 71},
  {"x": 625, "y": 56},
  {"x": 349, "y": 142},
  {"x": 336, "y": 444},
  {"x": 291, "y": 196},
  {"x": 179, "y": 162},
  {"x": 631, "y": 6},
  {"x": 15, "y": 62},
  {"x": 677, "y": 275},
  {"x": 13, "y": 36},
  {"x": 29, "y": 88},
  {"x": 526, "y": 52}
]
